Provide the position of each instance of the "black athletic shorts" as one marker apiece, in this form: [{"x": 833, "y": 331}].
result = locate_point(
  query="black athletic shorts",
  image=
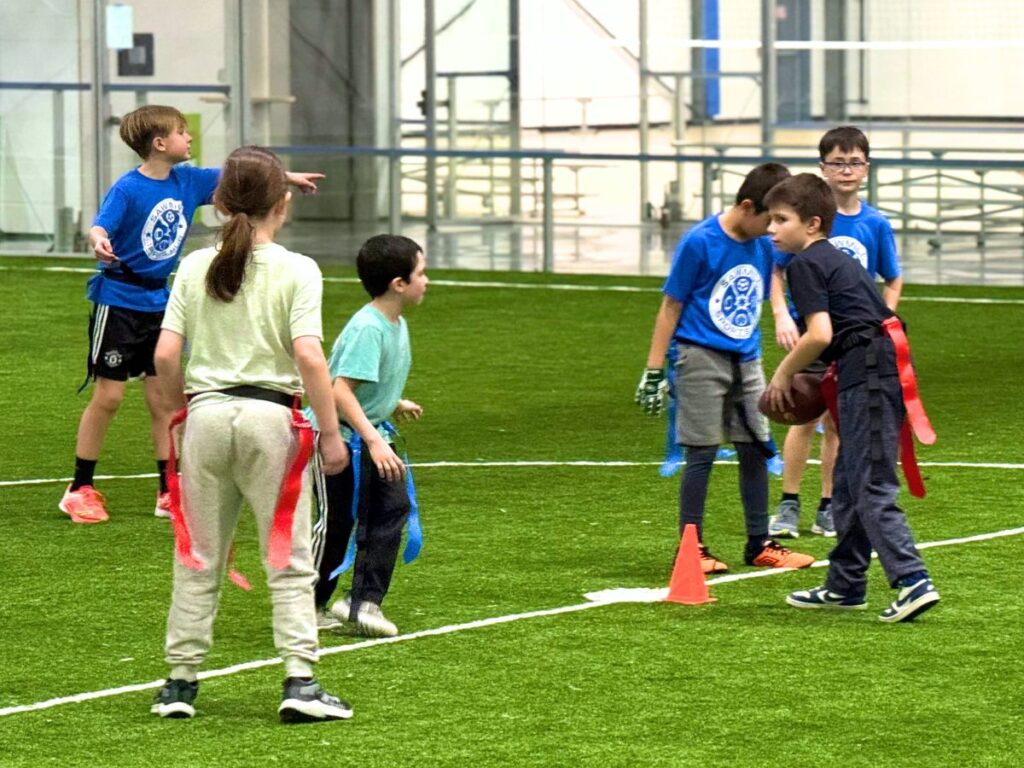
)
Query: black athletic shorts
[{"x": 122, "y": 342}]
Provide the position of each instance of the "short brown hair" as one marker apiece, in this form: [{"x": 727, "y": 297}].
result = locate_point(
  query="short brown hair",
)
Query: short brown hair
[
  {"x": 140, "y": 127},
  {"x": 846, "y": 138},
  {"x": 807, "y": 194},
  {"x": 382, "y": 258},
  {"x": 757, "y": 183}
]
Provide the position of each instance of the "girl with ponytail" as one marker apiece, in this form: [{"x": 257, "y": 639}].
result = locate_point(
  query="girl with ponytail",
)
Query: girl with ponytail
[{"x": 250, "y": 312}]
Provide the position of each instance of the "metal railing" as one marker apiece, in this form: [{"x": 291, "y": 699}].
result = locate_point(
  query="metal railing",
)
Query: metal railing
[{"x": 906, "y": 209}]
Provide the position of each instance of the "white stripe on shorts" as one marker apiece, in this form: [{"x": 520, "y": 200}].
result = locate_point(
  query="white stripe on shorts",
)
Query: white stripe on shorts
[
  {"x": 98, "y": 329},
  {"x": 319, "y": 537}
]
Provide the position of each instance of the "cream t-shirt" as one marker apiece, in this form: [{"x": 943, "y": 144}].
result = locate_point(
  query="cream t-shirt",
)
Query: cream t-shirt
[{"x": 248, "y": 340}]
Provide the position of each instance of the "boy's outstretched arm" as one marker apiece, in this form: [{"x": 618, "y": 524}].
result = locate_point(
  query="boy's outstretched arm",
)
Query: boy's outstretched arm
[
  {"x": 786, "y": 332},
  {"x": 652, "y": 390},
  {"x": 387, "y": 462},
  {"x": 304, "y": 182}
]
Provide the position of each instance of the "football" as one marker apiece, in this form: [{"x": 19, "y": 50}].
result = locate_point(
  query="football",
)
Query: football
[{"x": 808, "y": 402}]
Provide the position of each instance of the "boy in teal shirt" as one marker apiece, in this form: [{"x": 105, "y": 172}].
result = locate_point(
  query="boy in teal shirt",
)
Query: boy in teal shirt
[{"x": 369, "y": 364}]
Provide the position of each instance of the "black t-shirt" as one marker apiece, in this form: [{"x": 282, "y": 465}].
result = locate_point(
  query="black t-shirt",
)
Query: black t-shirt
[{"x": 824, "y": 279}]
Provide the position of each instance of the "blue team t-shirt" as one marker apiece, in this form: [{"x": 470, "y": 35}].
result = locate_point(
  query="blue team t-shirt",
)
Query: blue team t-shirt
[
  {"x": 867, "y": 237},
  {"x": 147, "y": 221},
  {"x": 721, "y": 283}
]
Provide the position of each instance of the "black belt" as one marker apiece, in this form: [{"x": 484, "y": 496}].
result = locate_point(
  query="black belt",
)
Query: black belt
[
  {"x": 257, "y": 393},
  {"x": 130, "y": 276}
]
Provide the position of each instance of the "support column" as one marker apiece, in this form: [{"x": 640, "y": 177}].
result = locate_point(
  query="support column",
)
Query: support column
[
  {"x": 645, "y": 204},
  {"x": 514, "y": 116},
  {"x": 430, "y": 110},
  {"x": 835, "y": 62},
  {"x": 769, "y": 106}
]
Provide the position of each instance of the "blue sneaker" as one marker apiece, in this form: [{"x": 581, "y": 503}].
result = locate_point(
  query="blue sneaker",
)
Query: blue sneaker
[
  {"x": 820, "y": 597},
  {"x": 912, "y": 600}
]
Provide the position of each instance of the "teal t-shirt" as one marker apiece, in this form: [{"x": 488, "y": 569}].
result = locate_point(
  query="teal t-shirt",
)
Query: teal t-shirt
[{"x": 375, "y": 351}]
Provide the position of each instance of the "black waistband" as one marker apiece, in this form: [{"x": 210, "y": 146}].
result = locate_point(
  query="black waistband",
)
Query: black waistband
[
  {"x": 127, "y": 275},
  {"x": 257, "y": 393}
]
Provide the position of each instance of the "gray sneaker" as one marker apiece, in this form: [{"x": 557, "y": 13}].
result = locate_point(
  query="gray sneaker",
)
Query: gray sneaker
[
  {"x": 326, "y": 621},
  {"x": 823, "y": 523},
  {"x": 304, "y": 701},
  {"x": 783, "y": 524},
  {"x": 175, "y": 699}
]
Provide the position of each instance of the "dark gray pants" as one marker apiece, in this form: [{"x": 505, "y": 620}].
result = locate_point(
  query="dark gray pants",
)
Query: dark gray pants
[
  {"x": 864, "y": 506},
  {"x": 383, "y": 509}
]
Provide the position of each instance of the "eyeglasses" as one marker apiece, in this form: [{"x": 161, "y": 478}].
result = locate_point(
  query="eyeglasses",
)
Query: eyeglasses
[{"x": 854, "y": 165}]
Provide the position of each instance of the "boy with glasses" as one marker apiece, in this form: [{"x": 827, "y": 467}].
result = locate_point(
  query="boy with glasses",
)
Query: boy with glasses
[{"x": 863, "y": 233}]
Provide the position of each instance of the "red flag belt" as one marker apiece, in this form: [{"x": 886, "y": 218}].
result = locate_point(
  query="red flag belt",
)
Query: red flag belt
[
  {"x": 279, "y": 547},
  {"x": 916, "y": 423}
]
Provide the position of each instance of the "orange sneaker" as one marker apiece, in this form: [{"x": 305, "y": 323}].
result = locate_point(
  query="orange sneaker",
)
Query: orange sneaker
[
  {"x": 163, "y": 504},
  {"x": 709, "y": 563},
  {"x": 774, "y": 555},
  {"x": 86, "y": 505}
]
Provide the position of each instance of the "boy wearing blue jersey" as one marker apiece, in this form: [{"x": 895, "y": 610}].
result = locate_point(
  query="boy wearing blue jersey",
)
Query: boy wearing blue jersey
[
  {"x": 864, "y": 234},
  {"x": 369, "y": 364},
  {"x": 137, "y": 235},
  {"x": 710, "y": 312}
]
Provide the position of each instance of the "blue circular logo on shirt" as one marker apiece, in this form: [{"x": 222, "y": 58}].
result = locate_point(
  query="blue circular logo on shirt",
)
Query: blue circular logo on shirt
[
  {"x": 852, "y": 247},
  {"x": 735, "y": 304},
  {"x": 164, "y": 230}
]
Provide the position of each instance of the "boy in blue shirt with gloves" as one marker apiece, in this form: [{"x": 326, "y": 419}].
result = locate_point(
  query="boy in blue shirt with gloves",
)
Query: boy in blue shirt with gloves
[
  {"x": 710, "y": 311},
  {"x": 137, "y": 236}
]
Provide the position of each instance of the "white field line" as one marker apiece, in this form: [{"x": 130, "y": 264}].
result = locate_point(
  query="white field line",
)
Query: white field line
[
  {"x": 550, "y": 286},
  {"x": 526, "y": 464},
  {"x": 647, "y": 595},
  {"x": 594, "y": 600}
]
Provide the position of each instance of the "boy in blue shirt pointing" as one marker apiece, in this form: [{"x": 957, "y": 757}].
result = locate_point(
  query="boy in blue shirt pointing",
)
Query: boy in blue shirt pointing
[
  {"x": 137, "y": 236},
  {"x": 710, "y": 312}
]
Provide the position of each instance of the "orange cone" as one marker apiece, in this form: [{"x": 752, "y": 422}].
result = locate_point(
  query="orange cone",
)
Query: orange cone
[{"x": 687, "y": 585}]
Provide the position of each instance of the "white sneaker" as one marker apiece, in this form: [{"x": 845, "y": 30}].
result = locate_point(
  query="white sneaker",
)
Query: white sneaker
[
  {"x": 163, "y": 505},
  {"x": 342, "y": 608},
  {"x": 370, "y": 620}
]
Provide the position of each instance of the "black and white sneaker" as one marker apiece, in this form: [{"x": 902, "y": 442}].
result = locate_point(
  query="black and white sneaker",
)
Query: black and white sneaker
[
  {"x": 304, "y": 701},
  {"x": 911, "y": 601},
  {"x": 175, "y": 699}
]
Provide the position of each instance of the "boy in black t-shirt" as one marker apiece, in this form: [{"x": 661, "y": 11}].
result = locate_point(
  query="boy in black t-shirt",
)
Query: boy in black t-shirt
[{"x": 845, "y": 321}]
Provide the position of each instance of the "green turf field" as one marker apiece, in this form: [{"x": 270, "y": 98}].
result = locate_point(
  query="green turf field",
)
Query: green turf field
[{"x": 522, "y": 375}]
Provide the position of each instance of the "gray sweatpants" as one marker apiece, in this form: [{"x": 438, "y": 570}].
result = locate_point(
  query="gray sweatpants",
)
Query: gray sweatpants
[
  {"x": 236, "y": 449},
  {"x": 865, "y": 486}
]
